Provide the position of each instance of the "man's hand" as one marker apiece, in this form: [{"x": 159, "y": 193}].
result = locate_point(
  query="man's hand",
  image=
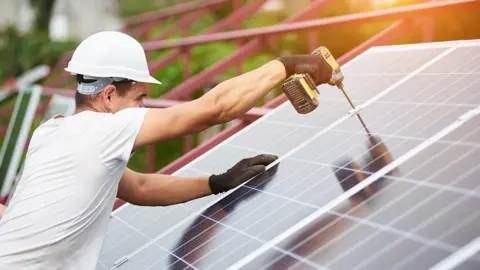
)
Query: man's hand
[
  {"x": 314, "y": 65},
  {"x": 240, "y": 173}
]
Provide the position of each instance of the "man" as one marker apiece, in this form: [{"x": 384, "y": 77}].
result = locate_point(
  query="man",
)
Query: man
[{"x": 76, "y": 166}]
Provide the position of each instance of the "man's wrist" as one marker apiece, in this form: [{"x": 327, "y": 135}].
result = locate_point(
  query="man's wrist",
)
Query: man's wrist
[
  {"x": 281, "y": 67},
  {"x": 214, "y": 183}
]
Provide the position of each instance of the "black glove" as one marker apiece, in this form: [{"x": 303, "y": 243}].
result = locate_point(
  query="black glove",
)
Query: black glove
[
  {"x": 241, "y": 172},
  {"x": 314, "y": 65}
]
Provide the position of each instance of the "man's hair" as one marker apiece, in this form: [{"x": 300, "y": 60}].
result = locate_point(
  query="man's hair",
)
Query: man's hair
[{"x": 82, "y": 100}]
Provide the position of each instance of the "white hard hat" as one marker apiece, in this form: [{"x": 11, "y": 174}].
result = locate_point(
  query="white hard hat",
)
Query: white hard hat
[{"x": 111, "y": 54}]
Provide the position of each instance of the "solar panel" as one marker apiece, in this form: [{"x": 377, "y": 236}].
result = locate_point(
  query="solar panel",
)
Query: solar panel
[
  {"x": 17, "y": 133},
  {"x": 334, "y": 200}
]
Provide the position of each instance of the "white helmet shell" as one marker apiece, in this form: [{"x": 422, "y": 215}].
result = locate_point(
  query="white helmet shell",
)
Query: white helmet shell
[{"x": 111, "y": 54}]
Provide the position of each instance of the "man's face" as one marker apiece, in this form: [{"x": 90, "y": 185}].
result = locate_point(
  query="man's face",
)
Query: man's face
[{"x": 132, "y": 98}]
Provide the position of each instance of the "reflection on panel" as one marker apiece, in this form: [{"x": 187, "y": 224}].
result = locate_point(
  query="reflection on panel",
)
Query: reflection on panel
[{"x": 421, "y": 213}]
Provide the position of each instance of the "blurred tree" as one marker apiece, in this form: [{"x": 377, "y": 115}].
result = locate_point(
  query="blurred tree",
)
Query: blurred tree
[
  {"x": 21, "y": 52},
  {"x": 43, "y": 13},
  {"x": 130, "y": 8}
]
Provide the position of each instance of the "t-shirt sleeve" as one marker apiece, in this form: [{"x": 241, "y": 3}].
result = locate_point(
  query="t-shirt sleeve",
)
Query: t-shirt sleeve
[{"x": 119, "y": 133}]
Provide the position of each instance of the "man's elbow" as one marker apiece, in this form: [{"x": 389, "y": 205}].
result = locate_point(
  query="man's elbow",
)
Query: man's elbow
[
  {"x": 215, "y": 110},
  {"x": 145, "y": 195}
]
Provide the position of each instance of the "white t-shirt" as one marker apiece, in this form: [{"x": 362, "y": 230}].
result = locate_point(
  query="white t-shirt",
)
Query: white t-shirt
[{"x": 59, "y": 212}]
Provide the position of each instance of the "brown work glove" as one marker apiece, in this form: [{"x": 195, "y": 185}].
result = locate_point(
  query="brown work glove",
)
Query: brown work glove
[
  {"x": 314, "y": 65},
  {"x": 240, "y": 173}
]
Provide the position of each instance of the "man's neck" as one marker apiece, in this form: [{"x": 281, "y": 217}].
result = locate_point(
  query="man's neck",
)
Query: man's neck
[{"x": 85, "y": 108}]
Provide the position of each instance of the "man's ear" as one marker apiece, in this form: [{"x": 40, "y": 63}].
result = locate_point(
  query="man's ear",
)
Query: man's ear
[{"x": 107, "y": 96}]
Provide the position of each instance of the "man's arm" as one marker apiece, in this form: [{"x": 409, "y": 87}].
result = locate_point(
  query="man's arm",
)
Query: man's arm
[
  {"x": 229, "y": 99},
  {"x": 159, "y": 189},
  {"x": 225, "y": 102},
  {"x": 162, "y": 190}
]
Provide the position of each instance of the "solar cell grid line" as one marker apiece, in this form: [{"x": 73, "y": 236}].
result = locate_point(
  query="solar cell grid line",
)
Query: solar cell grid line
[
  {"x": 325, "y": 92},
  {"x": 357, "y": 188},
  {"x": 345, "y": 152},
  {"x": 394, "y": 103},
  {"x": 100, "y": 266},
  {"x": 322, "y": 228},
  {"x": 402, "y": 215},
  {"x": 421, "y": 251},
  {"x": 410, "y": 96},
  {"x": 428, "y": 64},
  {"x": 240, "y": 232},
  {"x": 306, "y": 125},
  {"x": 423, "y": 46},
  {"x": 358, "y": 86},
  {"x": 460, "y": 256},
  {"x": 257, "y": 221},
  {"x": 458, "y": 190},
  {"x": 379, "y": 133},
  {"x": 397, "y": 242},
  {"x": 384, "y": 126},
  {"x": 351, "y": 80},
  {"x": 377, "y": 225},
  {"x": 115, "y": 265},
  {"x": 319, "y": 231},
  {"x": 208, "y": 228},
  {"x": 234, "y": 200},
  {"x": 264, "y": 137}
]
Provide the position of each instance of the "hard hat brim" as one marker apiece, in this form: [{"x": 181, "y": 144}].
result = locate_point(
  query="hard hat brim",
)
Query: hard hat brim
[
  {"x": 148, "y": 79},
  {"x": 152, "y": 80}
]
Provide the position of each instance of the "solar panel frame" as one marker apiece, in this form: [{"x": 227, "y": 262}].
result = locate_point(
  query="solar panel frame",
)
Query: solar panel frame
[{"x": 325, "y": 129}]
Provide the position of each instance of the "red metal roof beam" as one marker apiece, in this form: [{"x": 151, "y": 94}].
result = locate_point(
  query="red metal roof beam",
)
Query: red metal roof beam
[
  {"x": 242, "y": 53},
  {"x": 411, "y": 11},
  {"x": 237, "y": 16},
  {"x": 168, "y": 12}
]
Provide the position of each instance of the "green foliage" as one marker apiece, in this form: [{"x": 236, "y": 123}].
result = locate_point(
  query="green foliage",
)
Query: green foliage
[
  {"x": 130, "y": 8},
  {"x": 21, "y": 52},
  {"x": 43, "y": 12}
]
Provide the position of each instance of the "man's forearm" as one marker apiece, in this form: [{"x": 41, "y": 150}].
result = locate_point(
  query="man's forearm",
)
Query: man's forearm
[
  {"x": 237, "y": 95},
  {"x": 163, "y": 190}
]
